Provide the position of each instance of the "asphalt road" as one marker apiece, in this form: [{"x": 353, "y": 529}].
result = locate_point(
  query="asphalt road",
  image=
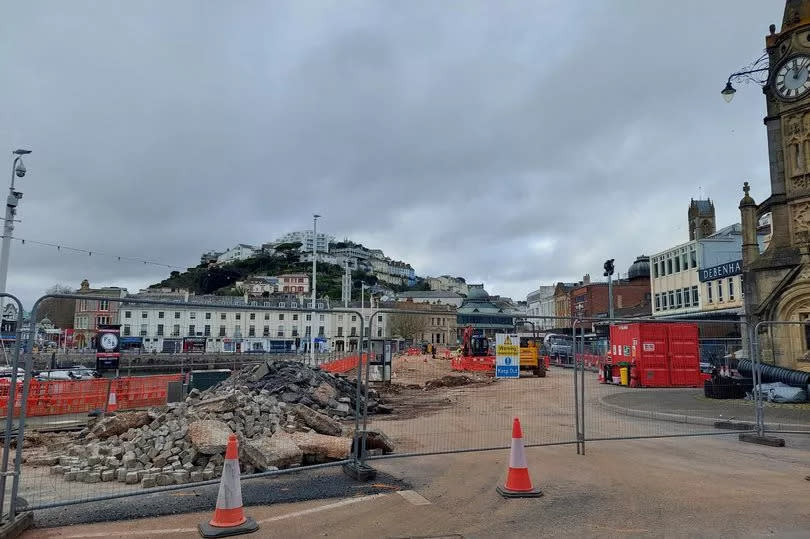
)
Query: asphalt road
[{"x": 300, "y": 486}]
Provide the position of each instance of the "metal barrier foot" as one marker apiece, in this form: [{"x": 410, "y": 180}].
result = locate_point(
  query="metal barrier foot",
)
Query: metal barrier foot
[
  {"x": 15, "y": 528},
  {"x": 359, "y": 471},
  {"x": 753, "y": 438}
]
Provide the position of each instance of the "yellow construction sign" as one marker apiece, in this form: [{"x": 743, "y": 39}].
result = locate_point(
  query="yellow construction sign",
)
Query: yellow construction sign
[{"x": 504, "y": 346}]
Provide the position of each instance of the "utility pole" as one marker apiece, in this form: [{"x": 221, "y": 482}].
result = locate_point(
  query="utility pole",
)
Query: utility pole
[
  {"x": 609, "y": 274},
  {"x": 314, "y": 285}
]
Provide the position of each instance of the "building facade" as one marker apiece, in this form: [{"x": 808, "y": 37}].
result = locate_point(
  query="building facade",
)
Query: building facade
[
  {"x": 448, "y": 284},
  {"x": 305, "y": 238},
  {"x": 241, "y": 251},
  {"x": 541, "y": 303},
  {"x": 90, "y": 314},
  {"x": 440, "y": 297}
]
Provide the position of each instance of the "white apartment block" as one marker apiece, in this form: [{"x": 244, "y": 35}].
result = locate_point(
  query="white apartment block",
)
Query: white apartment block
[
  {"x": 305, "y": 238},
  {"x": 241, "y": 251}
]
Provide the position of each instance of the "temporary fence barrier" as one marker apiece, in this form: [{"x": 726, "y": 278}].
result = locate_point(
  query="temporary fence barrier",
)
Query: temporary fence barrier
[
  {"x": 344, "y": 365},
  {"x": 56, "y": 397}
]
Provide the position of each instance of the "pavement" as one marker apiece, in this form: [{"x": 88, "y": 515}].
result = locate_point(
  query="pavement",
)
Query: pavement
[
  {"x": 692, "y": 403},
  {"x": 697, "y": 487}
]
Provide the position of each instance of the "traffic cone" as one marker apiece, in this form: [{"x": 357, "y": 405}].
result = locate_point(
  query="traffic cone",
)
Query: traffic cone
[
  {"x": 229, "y": 516},
  {"x": 112, "y": 402},
  {"x": 518, "y": 483}
]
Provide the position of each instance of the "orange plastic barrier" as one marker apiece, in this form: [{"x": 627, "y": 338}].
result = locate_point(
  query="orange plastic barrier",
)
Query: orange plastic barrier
[
  {"x": 57, "y": 397},
  {"x": 413, "y": 351},
  {"x": 343, "y": 365},
  {"x": 473, "y": 364}
]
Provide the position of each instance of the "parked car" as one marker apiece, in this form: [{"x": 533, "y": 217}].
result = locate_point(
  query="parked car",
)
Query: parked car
[{"x": 77, "y": 372}]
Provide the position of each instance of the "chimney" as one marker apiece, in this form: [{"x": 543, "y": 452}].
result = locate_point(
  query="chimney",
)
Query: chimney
[{"x": 586, "y": 279}]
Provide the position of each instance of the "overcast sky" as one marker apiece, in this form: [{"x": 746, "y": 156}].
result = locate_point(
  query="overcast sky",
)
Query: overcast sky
[{"x": 512, "y": 143}]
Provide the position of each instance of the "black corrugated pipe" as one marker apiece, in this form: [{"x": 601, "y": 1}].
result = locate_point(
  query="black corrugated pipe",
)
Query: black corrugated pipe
[{"x": 772, "y": 373}]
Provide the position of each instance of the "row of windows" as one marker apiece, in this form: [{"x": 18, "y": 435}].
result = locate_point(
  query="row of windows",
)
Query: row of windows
[
  {"x": 192, "y": 331},
  {"x": 677, "y": 299},
  {"x": 674, "y": 262},
  {"x": 711, "y": 290},
  {"x": 224, "y": 316}
]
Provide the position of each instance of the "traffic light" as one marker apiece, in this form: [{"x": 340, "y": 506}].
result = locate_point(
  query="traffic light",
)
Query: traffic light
[{"x": 608, "y": 267}]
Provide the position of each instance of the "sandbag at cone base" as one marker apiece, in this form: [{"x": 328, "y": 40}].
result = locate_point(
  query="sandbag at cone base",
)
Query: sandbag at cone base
[
  {"x": 518, "y": 483},
  {"x": 229, "y": 515}
]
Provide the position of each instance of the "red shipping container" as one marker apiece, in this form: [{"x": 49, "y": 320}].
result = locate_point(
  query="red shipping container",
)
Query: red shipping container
[{"x": 664, "y": 355}]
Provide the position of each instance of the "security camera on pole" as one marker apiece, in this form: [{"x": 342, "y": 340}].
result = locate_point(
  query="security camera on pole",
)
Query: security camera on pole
[
  {"x": 609, "y": 274},
  {"x": 17, "y": 171}
]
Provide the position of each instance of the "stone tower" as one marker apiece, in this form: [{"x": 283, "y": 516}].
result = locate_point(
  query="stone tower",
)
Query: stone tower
[
  {"x": 702, "y": 222},
  {"x": 776, "y": 282}
]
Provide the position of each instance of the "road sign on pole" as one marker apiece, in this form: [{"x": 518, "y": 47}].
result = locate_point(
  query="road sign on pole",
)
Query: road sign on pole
[{"x": 507, "y": 355}]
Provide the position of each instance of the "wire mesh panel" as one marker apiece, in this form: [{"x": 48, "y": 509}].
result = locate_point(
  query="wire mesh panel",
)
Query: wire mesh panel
[{"x": 661, "y": 378}]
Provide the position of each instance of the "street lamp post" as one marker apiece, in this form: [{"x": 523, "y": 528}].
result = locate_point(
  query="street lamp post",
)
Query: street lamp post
[
  {"x": 17, "y": 170},
  {"x": 362, "y": 313},
  {"x": 609, "y": 274},
  {"x": 753, "y": 73},
  {"x": 314, "y": 285}
]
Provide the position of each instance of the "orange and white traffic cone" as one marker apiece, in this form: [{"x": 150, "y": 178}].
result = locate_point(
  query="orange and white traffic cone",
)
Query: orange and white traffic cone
[
  {"x": 518, "y": 483},
  {"x": 112, "y": 402},
  {"x": 229, "y": 516}
]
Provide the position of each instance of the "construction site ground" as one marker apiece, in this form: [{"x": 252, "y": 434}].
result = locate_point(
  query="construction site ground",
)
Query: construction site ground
[{"x": 650, "y": 487}]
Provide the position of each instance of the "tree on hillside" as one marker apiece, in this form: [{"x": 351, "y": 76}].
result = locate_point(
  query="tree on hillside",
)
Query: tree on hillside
[
  {"x": 289, "y": 251},
  {"x": 409, "y": 326},
  {"x": 58, "y": 311}
]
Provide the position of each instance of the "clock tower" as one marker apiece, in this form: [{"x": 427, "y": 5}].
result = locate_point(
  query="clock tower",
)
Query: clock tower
[{"x": 777, "y": 281}]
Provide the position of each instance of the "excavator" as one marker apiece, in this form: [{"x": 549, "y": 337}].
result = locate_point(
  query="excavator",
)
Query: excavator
[{"x": 475, "y": 353}]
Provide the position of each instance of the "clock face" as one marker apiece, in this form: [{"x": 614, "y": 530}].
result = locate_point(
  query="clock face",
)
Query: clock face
[
  {"x": 792, "y": 79},
  {"x": 109, "y": 341}
]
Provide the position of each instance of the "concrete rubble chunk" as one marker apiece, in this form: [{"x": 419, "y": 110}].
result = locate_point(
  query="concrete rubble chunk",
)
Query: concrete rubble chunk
[
  {"x": 209, "y": 437},
  {"x": 119, "y": 424},
  {"x": 322, "y": 447},
  {"x": 278, "y": 450},
  {"x": 317, "y": 421}
]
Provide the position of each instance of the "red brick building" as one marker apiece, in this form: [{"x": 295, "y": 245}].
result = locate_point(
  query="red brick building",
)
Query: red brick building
[{"x": 631, "y": 296}]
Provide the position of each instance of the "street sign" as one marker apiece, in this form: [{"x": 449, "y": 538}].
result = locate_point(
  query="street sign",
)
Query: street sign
[{"x": 507, "y": 355}]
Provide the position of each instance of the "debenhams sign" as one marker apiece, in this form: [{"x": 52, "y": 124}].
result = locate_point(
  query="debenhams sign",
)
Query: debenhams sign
[{"x": 723, "y": 270}]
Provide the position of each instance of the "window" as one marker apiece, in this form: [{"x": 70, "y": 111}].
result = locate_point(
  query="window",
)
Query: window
[
  {"x": 208, "y": 316},
  {"x": 251, "y": 331},
  {"x": 267, "y": 316},
  {"x": 686, "y": 298},
  {"x": 354, "y": 332},
  {"x": 720, "y": 291},
  {"x": 655, "y": 269},
  {"x": 664, "y": 303},
  {"x": 695, "y": 297},
  {"x": 143, "y": 330},
  {"x": 280, "y": 317},
  {"x": 238, "y": 316},
  {"x": 379, "y": 332},
  {"x": 709, "y": 292},
  {"x": 321, "y": 318},
  {"x": 379, "y": 318},
  {"x": 103, "y": 305},
  {"x": 282, "y": 304},
  {"x": 692, "y": 258},
  {"x": 295, "y": 317},
  {"x": 223, "y": 316},
  {"x": 731, "y": 288},
  {"x": 294, "y": 305},
  {"x": 340, "y": 318},
  {"x": 176, "y": 315},
  {"x": 192, "y": 315},
  {"x": 658, "y": 302},
  {"x": 685, "y": 261},
  {"x": 266, "y": 331},
  {"x": 176, "y": 330},
  {"x": 669, "y": 266},
  {"x": 677, "y": 264},
  {"x": 354, "y": 318},
  {"x": 127, "y": 330},
  {"x": 161, "y": 314},
  {"x": 320, "y": 305},
  {"x": 340, "y": 331},
  {"x": 253, "y": 316},
  {"x": 671, "y": 299},
  {"x": 309, "y": 331},
  {"x": 679, "y": 298},
  {"x": 320, "y": 331},
  {"x": 207, "y": 330},
  {"x": 191, "y": 330},
  {"x": 295, "y": 332},
  {"x": 280, "y": 332},
  {"x": 144, "y": 314},
  {"x": 160, "y": 330},
  {"x": 309, "y": 317},
  {"x": 102, "y": 320},
  {"x": 127, "y": 314},
  {"x": 221, "y": 331}
]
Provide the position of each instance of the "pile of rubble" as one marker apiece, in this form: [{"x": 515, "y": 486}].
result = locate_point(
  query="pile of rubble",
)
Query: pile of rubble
[{"x": 284, "y": 413}]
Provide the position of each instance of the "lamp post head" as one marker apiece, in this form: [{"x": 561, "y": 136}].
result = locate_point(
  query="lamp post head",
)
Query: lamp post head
[
  {"x": 728, "y": 92},
  {"x": 21, "y": 152},
  {"x": 20, "y": 170}
]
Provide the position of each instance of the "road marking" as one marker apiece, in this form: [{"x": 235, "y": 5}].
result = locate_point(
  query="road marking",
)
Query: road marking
[
  {"x": 174, "y": 531},
  {"x": 414, "y": 497}
]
